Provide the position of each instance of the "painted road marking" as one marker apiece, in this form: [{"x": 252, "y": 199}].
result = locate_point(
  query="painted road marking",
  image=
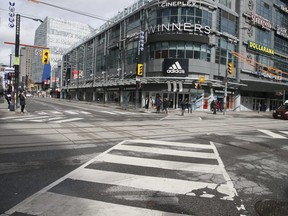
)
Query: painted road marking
[{"x": 272, "y": 134}]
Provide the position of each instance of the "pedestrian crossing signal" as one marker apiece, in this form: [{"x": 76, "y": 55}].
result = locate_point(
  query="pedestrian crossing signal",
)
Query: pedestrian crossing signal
[
  {"x": 45, "y": 56},
  {"x": 230, "y": 68}
]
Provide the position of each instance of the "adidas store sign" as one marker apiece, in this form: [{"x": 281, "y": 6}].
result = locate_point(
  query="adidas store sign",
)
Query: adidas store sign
[{"x": 175, "y": 67}]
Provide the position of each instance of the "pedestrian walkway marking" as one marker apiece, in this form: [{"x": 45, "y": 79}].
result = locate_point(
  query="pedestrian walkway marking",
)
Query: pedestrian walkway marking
[
  {"x": 112, "y": 113},
  {"x": 272, "y": 134},
  {"x": 48, "y": 202},
  {"x": 164, "y": 164},
  {"x": 56, "y": 112},
  {"x": 285, "y": 132},
  {"x": 167, "y": 152},
  {"x": 31, "y": 118},
  {"x": 15, "y": 117},
  {"x": 71, "y": 112},
  {"x": 167, "y": 185},
  {"x": 67, "y": 120},
  {"x": 136, "y": 154},
  {"x": 86, "y": 113}
]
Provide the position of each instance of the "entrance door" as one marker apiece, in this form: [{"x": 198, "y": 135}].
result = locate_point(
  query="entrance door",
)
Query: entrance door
[{"x": 259, "y": 102}]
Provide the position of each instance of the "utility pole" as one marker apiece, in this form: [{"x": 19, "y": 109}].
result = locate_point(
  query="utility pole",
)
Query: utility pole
[{"x": 16, "y": 61}]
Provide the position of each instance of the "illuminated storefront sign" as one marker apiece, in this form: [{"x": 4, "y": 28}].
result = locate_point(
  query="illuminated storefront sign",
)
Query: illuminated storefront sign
[
  {"x": 189, "y": 3},
  {"x": 261, "y": 21},
  {"x": 185, "y": 27},
  {"x": 260, "y": 48},
  {"x": 282, "y": 31}
]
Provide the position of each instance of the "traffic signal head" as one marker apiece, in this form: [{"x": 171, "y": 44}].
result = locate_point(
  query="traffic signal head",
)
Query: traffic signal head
[
  {"x": 45, "y": 56},
  {"x": 230, "y": 68},
  {"x": 139, "y": 69},
  {"x": 141, "y": 40}
]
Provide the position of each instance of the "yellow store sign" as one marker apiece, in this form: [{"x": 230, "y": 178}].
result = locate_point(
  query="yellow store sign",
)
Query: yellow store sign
[{"x": 260, "y": 48}]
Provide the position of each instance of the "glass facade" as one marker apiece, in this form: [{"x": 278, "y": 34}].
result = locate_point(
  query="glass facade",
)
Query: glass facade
[
  {"x": 58, "y": 35},
  {"x": 178, "y": 49},
  {"x": 201, "y": 38}
]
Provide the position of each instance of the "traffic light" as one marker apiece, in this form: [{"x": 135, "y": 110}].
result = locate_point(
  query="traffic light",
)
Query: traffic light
[
  {"x": 139, "y": 69},
  {"x": 141, "y": 41},
  {"x": 230, "y": 68},
  {"x": 45, "y": 56}
]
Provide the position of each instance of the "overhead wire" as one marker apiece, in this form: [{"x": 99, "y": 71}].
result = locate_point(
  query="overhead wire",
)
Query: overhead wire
[{"x": 73, "y": 11}]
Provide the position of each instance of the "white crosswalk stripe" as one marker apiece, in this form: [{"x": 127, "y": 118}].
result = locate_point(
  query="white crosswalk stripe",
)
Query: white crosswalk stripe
[
  {"x": 49, "y": 116},
  {"x": 122, "y": 113},
  {"x": 67, "y": 120},
  {"x": 274, "y": 134},
  {"x": 137, "y": 167}
]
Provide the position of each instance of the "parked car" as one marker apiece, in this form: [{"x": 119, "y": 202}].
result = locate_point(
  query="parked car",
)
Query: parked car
[{"x": 281, "y": 112}]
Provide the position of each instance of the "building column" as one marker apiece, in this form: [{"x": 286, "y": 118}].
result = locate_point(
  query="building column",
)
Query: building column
[
  {"x": 237, "y": 101},
  {"x": 94, "y": 95},
  {"x": 84, "y": 95}
]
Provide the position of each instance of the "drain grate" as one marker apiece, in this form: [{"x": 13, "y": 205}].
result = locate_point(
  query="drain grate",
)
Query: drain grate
[{"x": 270, "y": 207}]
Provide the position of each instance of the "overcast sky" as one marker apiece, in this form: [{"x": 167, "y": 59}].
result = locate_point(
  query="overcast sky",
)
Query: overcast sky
[{"x": 106, "y": 8}]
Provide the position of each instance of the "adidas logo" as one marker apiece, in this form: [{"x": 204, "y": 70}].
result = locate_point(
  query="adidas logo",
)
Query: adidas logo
[{"x": 176, "y": 68}]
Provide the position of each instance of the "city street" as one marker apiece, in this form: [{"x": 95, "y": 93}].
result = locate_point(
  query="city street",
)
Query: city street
[{"x": 76, "y": 158}]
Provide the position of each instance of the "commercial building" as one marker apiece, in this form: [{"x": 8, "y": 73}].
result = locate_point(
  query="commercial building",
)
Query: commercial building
[
  {"x": 58, "y": 35},
  {"x": 25, "y": 77},
  {"x": 231, "y": 51}
]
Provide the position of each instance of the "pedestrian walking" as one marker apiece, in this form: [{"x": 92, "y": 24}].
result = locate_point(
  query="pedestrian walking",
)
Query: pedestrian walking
[
  {"x": 183, "y": 107},
  {"x": 22, "y": 101},
  {"x": 158, "y": 103},
  {"x": 166, "y": 104},
  {"x": 8, "y": 99},
  {"x": 259, "y": 107},
  {"x": 147, "y": 103},
  {"x": 214, "y": 106}
]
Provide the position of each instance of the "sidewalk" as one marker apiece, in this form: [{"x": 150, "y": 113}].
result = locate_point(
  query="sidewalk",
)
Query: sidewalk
[{"x": 176, "y": 112}]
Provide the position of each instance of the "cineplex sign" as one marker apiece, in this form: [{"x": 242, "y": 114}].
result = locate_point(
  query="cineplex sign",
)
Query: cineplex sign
[{"x": 189, "y": 3}]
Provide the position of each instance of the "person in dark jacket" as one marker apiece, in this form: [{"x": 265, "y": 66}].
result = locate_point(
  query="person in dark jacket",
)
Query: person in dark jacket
[
  {"x": 8, "y": 99},
  {"x": 22, "y": 101},
  {"x": 183, "y": 107},
  {"x": 214, "y": 106},
  {"x": 166, "y": 105}
]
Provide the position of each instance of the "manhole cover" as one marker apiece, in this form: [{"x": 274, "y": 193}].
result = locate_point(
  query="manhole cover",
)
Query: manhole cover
[{"x": 269, "y": 207}]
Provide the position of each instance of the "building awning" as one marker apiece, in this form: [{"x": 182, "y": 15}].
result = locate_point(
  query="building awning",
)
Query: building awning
[{"x": 263, "y": 85}]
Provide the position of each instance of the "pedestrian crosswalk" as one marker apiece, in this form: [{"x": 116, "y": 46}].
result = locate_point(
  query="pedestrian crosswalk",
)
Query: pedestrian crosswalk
[
  {"x": 275, "y": 134},
  {"x": 64, "y": 116},
  {"x": 141, "y": 177},
  {"x": 52, "y": 116}
]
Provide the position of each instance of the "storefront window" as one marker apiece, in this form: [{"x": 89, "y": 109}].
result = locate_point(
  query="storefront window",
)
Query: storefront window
[
  {"x": 281, "y": 45},
  {"x": 263, "y": 37},
  {"x": 172, "y": 50},
  {"x": 264, "y": 9},
  {"x": 281, "y": 19},
  {"x": 191, "y": 15},
  {"x": 180, "y": 50},
  {"x": 227, "y": 3},
  {"x": 221, "y": 52},
  {"x": 226, "y": 22},
  {"x": 196, "y": 51}
]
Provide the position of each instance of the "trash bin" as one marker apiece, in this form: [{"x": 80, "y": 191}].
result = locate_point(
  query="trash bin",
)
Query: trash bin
[{"x": 12, "y": 106}]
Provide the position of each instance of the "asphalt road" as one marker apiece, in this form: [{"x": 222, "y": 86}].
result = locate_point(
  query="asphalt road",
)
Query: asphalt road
[{"x": 112, "y": 161}]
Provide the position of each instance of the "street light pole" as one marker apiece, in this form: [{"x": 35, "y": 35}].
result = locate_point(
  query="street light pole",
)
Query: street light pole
[{"x": 16, "y": 60}]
